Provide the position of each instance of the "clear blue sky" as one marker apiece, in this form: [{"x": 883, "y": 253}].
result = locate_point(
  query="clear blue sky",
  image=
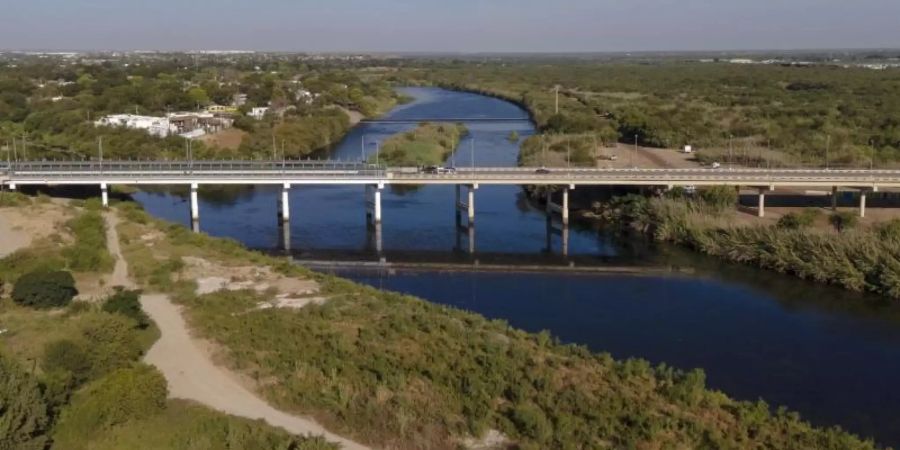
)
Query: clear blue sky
[{"x": 448, "y": 25}]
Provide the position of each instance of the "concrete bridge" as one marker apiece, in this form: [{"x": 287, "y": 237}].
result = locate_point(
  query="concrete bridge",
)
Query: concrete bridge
[{"x": 466, "y": 179}]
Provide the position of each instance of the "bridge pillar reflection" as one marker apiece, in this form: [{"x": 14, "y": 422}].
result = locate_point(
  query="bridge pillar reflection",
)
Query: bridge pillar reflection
[
  {"x": 104, "y": 195},
  {"x": 195, "y": 209}
]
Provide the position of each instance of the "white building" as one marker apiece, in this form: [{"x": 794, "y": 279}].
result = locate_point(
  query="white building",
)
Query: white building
[
  {"x": 258, "y": 112},
  {"x": 155, "y": 126}
]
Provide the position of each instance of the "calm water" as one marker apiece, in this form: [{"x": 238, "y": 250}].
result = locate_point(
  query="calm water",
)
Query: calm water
[{"x": 834, "y": 356}]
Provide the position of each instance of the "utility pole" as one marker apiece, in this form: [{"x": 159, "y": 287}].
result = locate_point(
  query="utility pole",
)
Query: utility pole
[
  {"x": 557, "y": 98},
  {"x": 634, "y": 152},
  {"x": 362, "y": 148},
  {"x": 274, "y": 145},
  {"x": 100, "y": 152},
  {"x": 472, "y": 152},
  {"x": 731, "y": 151},
  {"x": 827, "y": 145}
]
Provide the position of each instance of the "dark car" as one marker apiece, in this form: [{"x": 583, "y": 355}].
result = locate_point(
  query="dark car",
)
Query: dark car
[{"x": 542, "y": 171}]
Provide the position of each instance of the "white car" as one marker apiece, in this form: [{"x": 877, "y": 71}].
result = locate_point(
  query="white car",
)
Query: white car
[{"x": 716, "y": 165}]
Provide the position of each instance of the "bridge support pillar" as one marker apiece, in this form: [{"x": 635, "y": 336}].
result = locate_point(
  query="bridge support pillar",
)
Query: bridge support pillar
[
  {"x": 565, "y": 207},
  {"x": 12, "y": 186},
  {"x": 104, "y": 195},
  {"x": 862, "y": 203},
  {"x": 373, "y": 207},
  {"x": 286, "y": 203},
  {"x": 761, "y": 210},
  {"x": 471, "y": 204},
  {"x": 195, "y": 208},
  {"x": 834, "y": 198}
]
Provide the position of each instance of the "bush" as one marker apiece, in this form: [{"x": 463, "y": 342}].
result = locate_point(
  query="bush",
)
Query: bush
[
  {"x": 23, "y": 409},
  {"x": 796, "y": 221},
  {"x": 110, "y": 340},
  {"x": 67, "y": 356},
  {"x": 843, "y": 220},
  {"x": 126, "y": 394},
  {"x": 89, "y": 253},
  {"x": 127, "y": 303},
  {"x": 719, "y": 197},
  {"x": 45, "y": 289}
]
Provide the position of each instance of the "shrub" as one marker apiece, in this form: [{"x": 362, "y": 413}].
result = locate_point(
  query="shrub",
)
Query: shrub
[
  {"x": 127, "y": 303},
  {"x": 532, "y": 422},
  {"x": 719, "y": 197},
  {"x": 127, "y": 394},
  {"x": 23, "y": 409},
  {"x": 843, "y": 220},
  {"x": 110, "y": 340},
  {"x": 67, "y": 356},
  {"x": 45, "y": 289},
  {"x": 89, "y": 253},
  {"x": 796, "y": 221}
]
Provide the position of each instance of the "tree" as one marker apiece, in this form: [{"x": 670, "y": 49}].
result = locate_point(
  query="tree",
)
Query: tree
[
  {"x": 198, "y": 96},
  {"x": 45, "y": 289},
  {"x": 23, "y": 409},
  {"x": 128, "y": 304},
  {"x": 843, "y": 220},
  {"x": 719, "y": 197},
  {"x": 69, "y": 357}
]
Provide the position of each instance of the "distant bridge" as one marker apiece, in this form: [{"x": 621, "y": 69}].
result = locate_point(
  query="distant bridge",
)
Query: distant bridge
[{"x": 450, "y": 119}]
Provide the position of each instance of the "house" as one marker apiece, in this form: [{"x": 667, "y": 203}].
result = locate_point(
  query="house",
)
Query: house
[
  {"x": 155, "y": 126},
  {"x": 258, "y": 112}
]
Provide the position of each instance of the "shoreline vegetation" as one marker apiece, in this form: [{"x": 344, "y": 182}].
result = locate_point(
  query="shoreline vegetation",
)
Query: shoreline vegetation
[
  {"x": 801, "y": 244},
  {"x": 395, "y": 371},
  {"x": 429, "y": 144}
]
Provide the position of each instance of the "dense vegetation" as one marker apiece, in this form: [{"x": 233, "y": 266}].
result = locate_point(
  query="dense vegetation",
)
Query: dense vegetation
[
  {"x": 802, "y": 112},
  {"x": 398, "y": 372},
  {"x": 45, "y": 289},
  {"x": 857, "y": 259},
  {"x": 47, "y": 105},
  {"x": 70, "y": 378},
  {"x": 426, "y": 145}
]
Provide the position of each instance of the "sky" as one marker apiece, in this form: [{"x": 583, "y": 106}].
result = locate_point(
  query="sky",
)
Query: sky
[{"x": 471, "y": 26}]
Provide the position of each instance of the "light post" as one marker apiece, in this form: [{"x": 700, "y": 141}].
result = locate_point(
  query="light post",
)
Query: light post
[
  {"x": 827, "y": 145},
  {"x": 634, "y": 151},
  {"x": 730, "y": 152}
]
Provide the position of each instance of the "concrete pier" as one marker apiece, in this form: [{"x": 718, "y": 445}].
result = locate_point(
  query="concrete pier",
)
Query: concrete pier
[
  {"x": 104, "y": 195},
  {"x": 373, "y": 203},
  {"x": 834, "y": 198},
  {"x": 761, "y": 209},
  {"x": 862, "y": 203},
  {"x": 468, "y": 206},
  {"x": 195, "y": 206},
  {"x": 562, "y": 208},
  {"x": 286, "y": 203}
]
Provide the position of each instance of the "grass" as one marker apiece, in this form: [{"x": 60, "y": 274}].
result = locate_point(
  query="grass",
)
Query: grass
[
  {"x": 395, "y": 371},
  {"x": 426, "y": 145}
]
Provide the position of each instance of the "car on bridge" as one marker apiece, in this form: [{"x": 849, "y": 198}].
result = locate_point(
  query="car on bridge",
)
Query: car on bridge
[
  {"x": 439, "y": 170},
  {"x": 542, "y": 171}
]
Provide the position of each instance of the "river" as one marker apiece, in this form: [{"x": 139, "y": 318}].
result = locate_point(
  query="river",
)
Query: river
[{"x": 832, "y": 355}]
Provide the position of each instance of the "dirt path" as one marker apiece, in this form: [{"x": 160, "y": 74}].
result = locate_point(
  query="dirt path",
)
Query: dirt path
[
  {"x": 119, "y": 275},
  {"x": 191, "y": 375},
  {"x": 190, "y": 372}
]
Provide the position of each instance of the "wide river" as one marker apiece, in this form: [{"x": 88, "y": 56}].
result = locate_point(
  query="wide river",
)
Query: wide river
[{"x": 832, "y": 355}]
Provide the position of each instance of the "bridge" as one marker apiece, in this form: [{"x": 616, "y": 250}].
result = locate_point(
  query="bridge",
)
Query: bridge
[
  {"x": 288, "y": 173},
  {"x": 450, "y": 119}
]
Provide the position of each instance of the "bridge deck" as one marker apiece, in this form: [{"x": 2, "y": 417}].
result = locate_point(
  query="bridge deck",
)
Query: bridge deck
[{"x": 331, "y": 172}]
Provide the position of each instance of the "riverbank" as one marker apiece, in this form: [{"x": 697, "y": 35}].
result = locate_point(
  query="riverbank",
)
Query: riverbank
[{"x": 858, "y": 259}]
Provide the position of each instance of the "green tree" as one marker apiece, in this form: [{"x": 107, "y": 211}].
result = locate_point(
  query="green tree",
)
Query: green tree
[
  {"x": 67, "y": 356},
  {"x": 23, "y": 409},
  {"x": 843, "y": 220},
  {"x": 198, "y": 96},
  {"x": 719, "y": 197},
  {"x": 45, "y": 289},
  {"x": 128, "y": 304}
]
